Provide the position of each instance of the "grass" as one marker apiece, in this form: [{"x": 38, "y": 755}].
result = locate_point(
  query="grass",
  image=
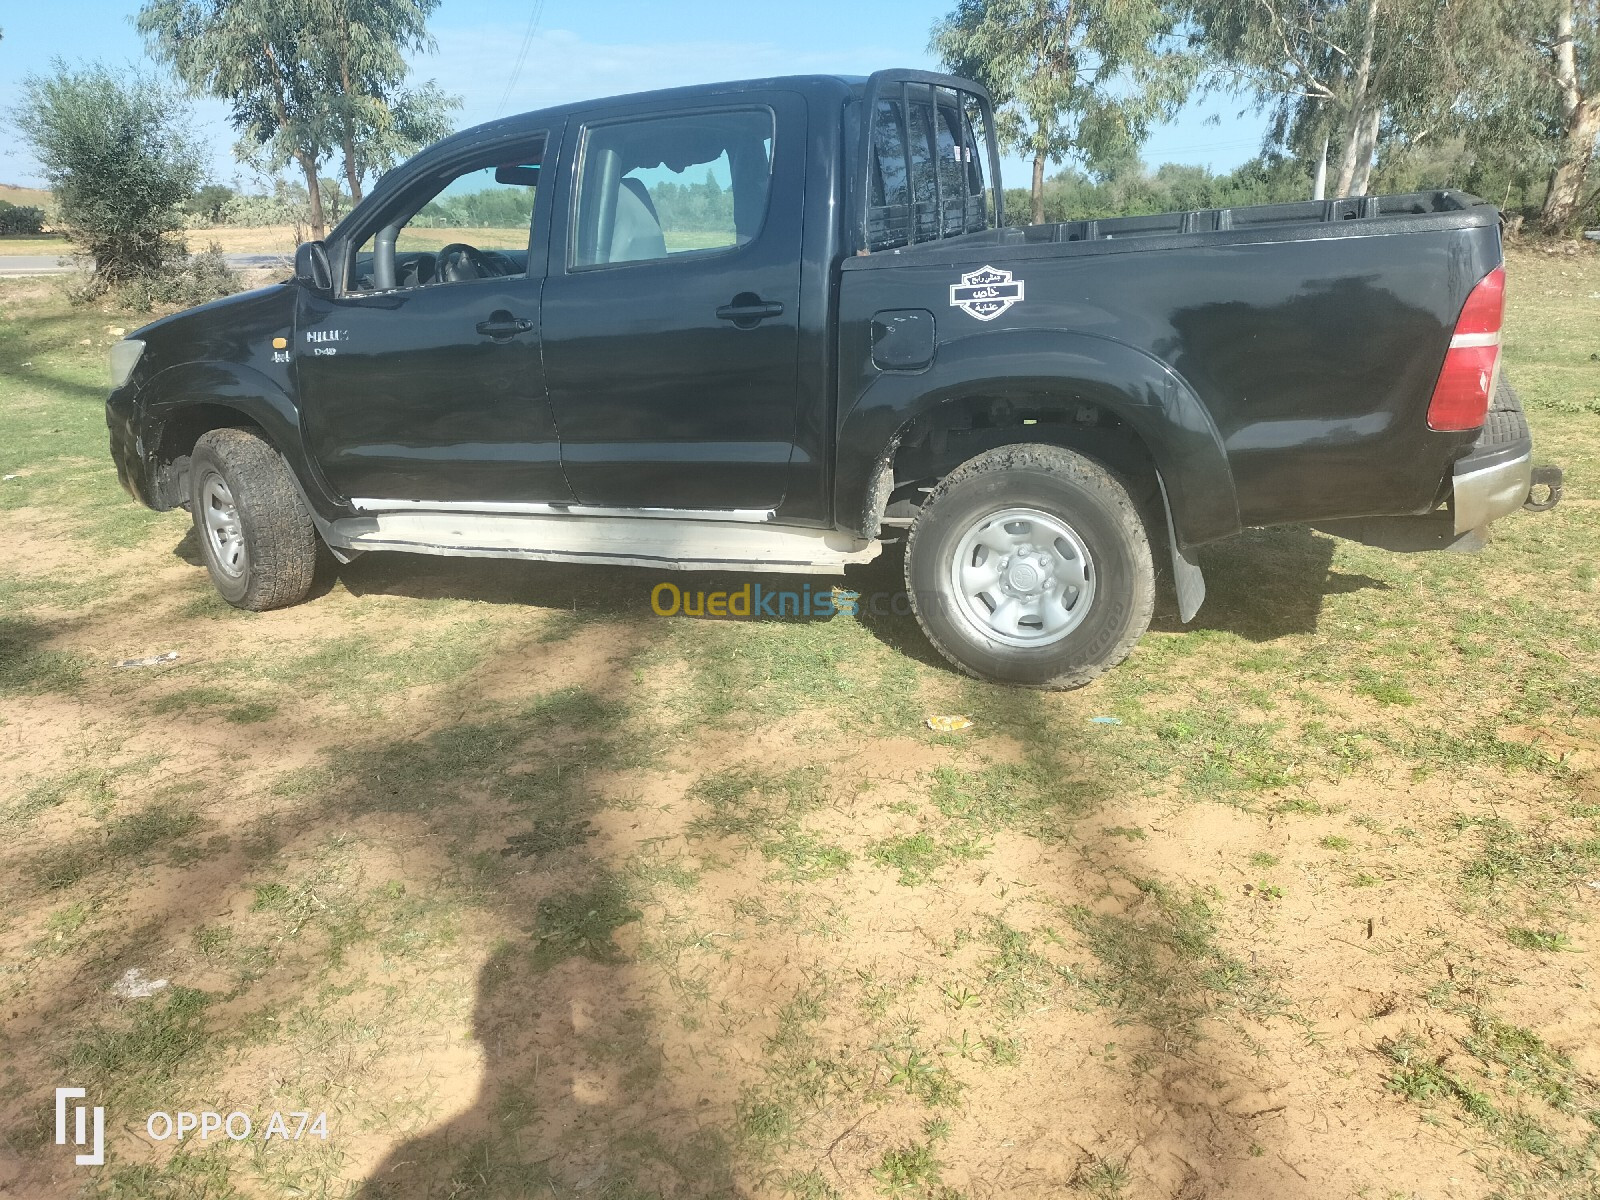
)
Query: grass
[
  {"x": 582, "y": 923},
  {"x": 121, "y": 842},
  {"x": 44, "y": 243},
  {"x": 1161, "y": 967},
  {"x": 535, "y": 893}
]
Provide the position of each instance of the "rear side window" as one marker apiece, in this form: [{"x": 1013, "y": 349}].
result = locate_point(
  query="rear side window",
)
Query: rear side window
[
  {"x": 926, "y": 175},
  {"x": 662, "y": 187}
]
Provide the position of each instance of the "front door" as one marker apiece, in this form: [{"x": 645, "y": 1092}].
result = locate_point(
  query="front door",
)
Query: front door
[
  {"x": 420, "y": 376},
  {"x": 671, "y": 310}
]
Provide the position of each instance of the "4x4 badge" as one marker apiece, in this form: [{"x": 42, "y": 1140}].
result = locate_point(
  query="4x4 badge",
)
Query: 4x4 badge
[{"x": 985, "y": 293}]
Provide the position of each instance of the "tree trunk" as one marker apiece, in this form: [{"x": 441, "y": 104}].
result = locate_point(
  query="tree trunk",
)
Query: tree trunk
[
  {"x": 1581, "y": 121},
  {"x": 1038, "y": 187},
  {"x": 1366, "y": 153},
  {"x": 319, "y": 223},
  {"x": 351, "y": 175},
  {"x": 1355, "y": 126},
  {"x": 1319, "y": 184}
]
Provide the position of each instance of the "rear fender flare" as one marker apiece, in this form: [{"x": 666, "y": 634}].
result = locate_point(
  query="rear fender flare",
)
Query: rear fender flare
[{"x": 1146, "y": 394}]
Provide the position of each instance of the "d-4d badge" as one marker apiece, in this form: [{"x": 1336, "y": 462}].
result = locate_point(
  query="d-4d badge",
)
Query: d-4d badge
[{"x": 986, "y": 293}]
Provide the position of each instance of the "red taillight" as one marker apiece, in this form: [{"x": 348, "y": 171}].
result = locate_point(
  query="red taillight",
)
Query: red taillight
[{"x": 1471, "y": 365}]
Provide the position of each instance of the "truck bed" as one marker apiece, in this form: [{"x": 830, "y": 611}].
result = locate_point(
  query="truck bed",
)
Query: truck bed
[{"x": 1309, "y": 336}]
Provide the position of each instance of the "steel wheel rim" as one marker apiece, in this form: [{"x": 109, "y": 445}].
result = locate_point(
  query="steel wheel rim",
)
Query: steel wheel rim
[
  {"x": 219, "y": 517},
  {"x": 1022, "y": 577}
]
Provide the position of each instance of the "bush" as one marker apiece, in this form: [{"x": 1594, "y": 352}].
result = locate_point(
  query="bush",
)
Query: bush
[
  {"x": 121, "y": 162},
  {"x": 211, "y": 204},
  {"x": 20, "y": 219},
  {"x": 182, "y": 282}
]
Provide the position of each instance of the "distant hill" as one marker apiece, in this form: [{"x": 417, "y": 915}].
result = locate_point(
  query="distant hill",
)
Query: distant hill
[{"x": 33, "y": 197}]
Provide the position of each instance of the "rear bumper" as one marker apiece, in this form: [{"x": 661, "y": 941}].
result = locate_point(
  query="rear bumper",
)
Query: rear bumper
[
  {"x": 1481, "y": 494},
  {"x": 1494, "y": 479},
  {"x": 1497, "y": 476}
]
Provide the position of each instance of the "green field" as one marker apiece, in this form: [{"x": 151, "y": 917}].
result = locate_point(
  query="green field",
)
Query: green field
[
  {"x": 535, "y": 893},
  {"x": 44, "y": 243}
]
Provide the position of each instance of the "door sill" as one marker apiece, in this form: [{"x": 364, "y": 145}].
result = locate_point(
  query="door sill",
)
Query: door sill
[
  {"x": 700, "y": 543},
  {"x": 751, "y": 516}
]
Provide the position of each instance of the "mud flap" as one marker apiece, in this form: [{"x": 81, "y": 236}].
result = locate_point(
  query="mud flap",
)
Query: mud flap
[{"x": 1187, "y": 578}]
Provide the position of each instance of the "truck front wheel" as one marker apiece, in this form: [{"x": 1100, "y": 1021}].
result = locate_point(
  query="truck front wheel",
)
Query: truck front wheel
[
  {"x": 255, "y": 532},
  {"x": 1030, "y": 565}
]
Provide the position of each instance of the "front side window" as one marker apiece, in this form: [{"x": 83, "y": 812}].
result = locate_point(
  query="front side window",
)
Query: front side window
[
  {"x": 664, "y": 187},
  {"x": 473, "y": 222}
]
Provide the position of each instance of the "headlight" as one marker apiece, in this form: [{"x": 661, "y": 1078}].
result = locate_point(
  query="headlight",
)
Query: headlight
[{"x": 124, "y": 358}]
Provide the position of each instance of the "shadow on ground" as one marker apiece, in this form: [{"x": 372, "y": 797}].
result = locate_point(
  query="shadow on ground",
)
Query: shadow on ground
[{"x": 1265, "y": 584}]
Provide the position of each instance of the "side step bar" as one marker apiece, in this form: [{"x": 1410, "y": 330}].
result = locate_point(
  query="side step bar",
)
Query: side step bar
[{"x": 664, "y": 543}]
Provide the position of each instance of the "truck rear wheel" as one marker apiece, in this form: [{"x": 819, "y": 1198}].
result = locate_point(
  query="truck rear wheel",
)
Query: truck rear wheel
[
  {"x": 255, "y": 531},
  {"x": 1030, "y": 565}
]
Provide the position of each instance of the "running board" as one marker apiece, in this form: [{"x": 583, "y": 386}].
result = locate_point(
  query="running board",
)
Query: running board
[{"x": 665, "y": 543}]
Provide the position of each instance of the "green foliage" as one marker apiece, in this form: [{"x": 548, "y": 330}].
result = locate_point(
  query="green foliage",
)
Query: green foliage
[
  {"x": 1132, "y": 189},
  {"x": 491, "y": 208},
  {"x": 699, "y": 207},
  {"x": 306, "y": 78},
  {"x": 1489, "y": 95},
  {"x": 19, "y": 219},
  {"x": 211, "y": 203},
  {"x": 1072, "y": 80},
  {"x": 185, "y": 282},
  {"x": 581, "y": 924},
  {"x": 120, "y": 159}
]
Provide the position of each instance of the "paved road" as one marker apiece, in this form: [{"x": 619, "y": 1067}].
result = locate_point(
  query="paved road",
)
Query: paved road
[{"x": 55, "y": 264}]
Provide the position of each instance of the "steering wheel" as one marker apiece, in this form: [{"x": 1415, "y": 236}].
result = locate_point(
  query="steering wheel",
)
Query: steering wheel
[{"x": 459, "y": 262}]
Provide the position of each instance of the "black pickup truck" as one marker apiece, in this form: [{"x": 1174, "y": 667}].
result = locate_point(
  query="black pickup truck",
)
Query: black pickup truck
[{"x": 766, "y": 326}]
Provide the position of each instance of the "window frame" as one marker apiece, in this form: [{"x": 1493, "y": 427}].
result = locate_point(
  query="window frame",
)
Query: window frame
[
  {"x": 580, "y": 164},
  {"x": 417, "y": 192}
]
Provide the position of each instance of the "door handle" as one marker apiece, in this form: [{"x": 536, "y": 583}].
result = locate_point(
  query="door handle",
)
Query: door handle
[
  {"x": 501, "y": 325},
  {"x": 748, "y": 310}
]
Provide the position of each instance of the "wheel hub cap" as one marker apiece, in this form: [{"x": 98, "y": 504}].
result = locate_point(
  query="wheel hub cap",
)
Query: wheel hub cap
[
  {"x": 219, "y": 515},
  {"x": 1022, "y": 577}
]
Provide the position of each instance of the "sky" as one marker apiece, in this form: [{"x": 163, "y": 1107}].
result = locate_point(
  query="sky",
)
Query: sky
[{"x": 586, "y": 49}]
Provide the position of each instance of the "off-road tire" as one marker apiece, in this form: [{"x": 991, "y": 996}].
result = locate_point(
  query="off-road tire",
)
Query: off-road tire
[
  {"x": 1094, "y": 503},
  {"x": 280, "y": 543}
]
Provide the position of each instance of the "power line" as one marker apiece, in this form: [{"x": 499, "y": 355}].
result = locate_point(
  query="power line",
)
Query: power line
[{"x": 522, "y": 56}]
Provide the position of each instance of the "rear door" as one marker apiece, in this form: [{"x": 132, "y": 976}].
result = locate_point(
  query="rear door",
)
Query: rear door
[{"x": 671, "y": 309}]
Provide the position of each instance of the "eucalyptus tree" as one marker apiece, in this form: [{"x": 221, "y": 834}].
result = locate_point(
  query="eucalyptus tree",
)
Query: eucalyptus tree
[
  {"x": 256, "y": 55},
  {"x": 1337, "y": 74},
  {"x": 359, "y": 49},
  {"x": 306, "y": 80},
  {"x": 1536, "y": 100},
  {"x": 1071, "y": 79}
]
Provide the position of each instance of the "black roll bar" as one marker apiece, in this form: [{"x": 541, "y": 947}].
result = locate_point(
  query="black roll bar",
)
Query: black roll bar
[{"x": 902, "y": 79}]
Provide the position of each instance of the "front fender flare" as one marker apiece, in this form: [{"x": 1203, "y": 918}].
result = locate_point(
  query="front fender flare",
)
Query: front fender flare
[
  {"x": 254, "y": 396},
  {"x": 1145, "y": 393}
]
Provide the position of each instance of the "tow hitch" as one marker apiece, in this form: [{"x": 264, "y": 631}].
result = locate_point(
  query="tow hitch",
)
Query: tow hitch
[{"x": 1548, "y": 478}]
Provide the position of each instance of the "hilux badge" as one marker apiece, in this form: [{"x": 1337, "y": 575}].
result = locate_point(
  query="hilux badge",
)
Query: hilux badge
[{"x": 985, "y": 293}]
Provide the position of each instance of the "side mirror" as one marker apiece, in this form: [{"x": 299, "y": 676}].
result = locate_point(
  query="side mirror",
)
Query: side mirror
[{"x": 311, "y": 266}]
